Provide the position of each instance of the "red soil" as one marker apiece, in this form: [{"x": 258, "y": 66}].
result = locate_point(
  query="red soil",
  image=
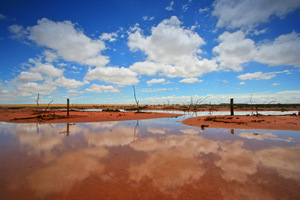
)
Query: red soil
[{"x": 287, "y": 122}]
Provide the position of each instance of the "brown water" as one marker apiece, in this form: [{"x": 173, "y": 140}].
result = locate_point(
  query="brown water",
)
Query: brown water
[{"x": 146, "y": 159}]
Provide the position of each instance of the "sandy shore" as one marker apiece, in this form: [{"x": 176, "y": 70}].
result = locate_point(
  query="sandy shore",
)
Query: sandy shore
[
  {"x": 287, "y": 122},
  {"x": 27, "y": 115}
]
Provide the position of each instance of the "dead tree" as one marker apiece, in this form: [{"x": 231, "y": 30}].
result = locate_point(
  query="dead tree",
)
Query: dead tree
[
  {"x": 48, "y": 105},
  {"x": 136, "y": 101},
  {"x": 37, "y": 101}
]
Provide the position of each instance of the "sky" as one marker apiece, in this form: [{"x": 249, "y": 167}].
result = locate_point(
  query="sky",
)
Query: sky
[{"x": 172, "y": 52}]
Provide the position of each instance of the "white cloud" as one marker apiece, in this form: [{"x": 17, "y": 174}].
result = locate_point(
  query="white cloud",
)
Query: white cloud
[
  {"x": 284, "y": 50},
  {"x": 34, "y": 88},
  {"x": 68, "y": 83},
  {"x": 275, "y": 84},
  {"x": 167, "y": 42},
  {"x": 242, "y": 83},
  {"x": 156, "y": 89},
  {"x": 257, "y": 32},
  {"x": 256, "y": 76},
  {"x": 29, "y": 76},
  {"x": 290, "y": 96},
  {"x": 146, "y": 18},
  {"x": 185, "y": 7},
  {"x": 250, "y": 13},
  {"x": 262, "y": 136},
  {"x": 149, "y": 68},
  {"x": 47, "y": 69},
  {"x": 154, "y": 81},
  {"x": 285, "y": 160},
  {"x": 171, "y": 49},
  {"x": 190, "y": 80},
  {"x": 50, "y": 56},
  {"x": 120, "y": 76},
  {"x": 69, "y": 42},
  {"x": 190, "y": 131},
  {"x": 234, "y": 49},
  {"x": 18, "y": 32},
  {"x": 170, "y": 7},
  {"x": 101, "y": 88},
  {"x": 74, "y": 92},
  {"x": 155, "y": 130},
  {"x": 109, "y": 36},
  {"x": 203, "y": 10}
]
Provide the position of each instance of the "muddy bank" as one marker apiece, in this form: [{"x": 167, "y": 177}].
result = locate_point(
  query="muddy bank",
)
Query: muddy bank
[
  {"x": 286, "y": 122},
  {"x": 28, "y": 115}
]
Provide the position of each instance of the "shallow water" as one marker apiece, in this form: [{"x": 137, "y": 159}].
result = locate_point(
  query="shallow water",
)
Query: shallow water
[{"x": 146, "y": 159}]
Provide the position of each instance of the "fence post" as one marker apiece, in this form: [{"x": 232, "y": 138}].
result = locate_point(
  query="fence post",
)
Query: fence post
[
  {"x": 68, "y": 107},
  {"x": 231, "y": 107}
]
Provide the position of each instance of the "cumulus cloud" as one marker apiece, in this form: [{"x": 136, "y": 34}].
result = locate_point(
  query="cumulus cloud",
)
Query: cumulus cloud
[
  {"x": 68, "y": 41},
  {"x": 101, "y": 88},
  {"x": 234, "y": 50},
  {"x": 47, "y": 69},
  {"x": 190, "y": 80},
  {"x": 120, "y": 76},
  {"x": 256, "y": 76},
  {"x": 50, "y": 56},
  {"x": 171, "y": 51},
  {"x": 284, "y": 50},
  {"x": 34, "y": 88},
  {"x": 29, "y": 76},
  {"x": 167, "y": 42},
  {"x": 154, "y": 81},
  {"x": 68, "y": 83},
  {"x": 250, "y": 13}
]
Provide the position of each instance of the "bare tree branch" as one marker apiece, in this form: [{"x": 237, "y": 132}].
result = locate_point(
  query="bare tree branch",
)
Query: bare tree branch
[
  {"x": 136, "y": 101},
  {"x": 48, "y": 105}
]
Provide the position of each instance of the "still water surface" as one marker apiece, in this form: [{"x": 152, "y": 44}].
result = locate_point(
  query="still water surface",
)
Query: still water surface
[{"x": 146, "y": 159}]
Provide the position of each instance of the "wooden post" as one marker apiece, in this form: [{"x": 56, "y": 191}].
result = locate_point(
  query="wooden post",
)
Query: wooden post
[
  {"x": 231, "y": 107},
  {"x": 68, "y": 107}
]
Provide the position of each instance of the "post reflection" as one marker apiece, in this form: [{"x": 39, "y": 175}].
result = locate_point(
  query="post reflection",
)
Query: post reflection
[
  {"x": 68, "y": 129},
  {"x": 232, "y": 131},
  {"x": 147, "y": 158}
]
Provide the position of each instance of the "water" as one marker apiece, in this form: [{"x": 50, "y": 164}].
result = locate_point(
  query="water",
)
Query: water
[
  {"x": 207, "y": 113},
  {"x": 146, "y": 159}
]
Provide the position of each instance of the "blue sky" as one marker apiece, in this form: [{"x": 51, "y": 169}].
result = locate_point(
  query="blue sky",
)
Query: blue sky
[{"x": 171, "y": 51}]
